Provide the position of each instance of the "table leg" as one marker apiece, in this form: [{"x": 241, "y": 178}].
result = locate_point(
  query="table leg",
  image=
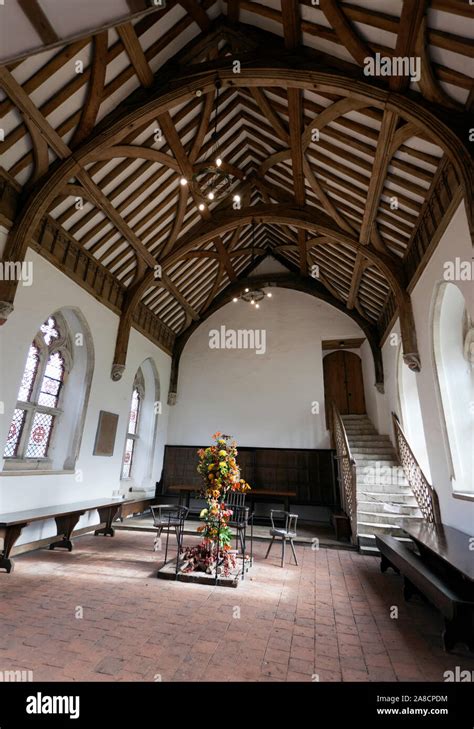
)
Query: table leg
[
  {"x": 65, "y": 527},
  {"x": 11, "y": 535},
  {"x": 107, "y": 514}
]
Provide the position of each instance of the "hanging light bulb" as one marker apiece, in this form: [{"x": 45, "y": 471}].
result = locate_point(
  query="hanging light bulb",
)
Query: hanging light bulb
[
  {"x": 218, "y": 162},
  {"x": 236, "y": 198},
  {"x": 183, "y": 181},
  {"x": 211, "y": 196},
  {"x": 247, "y": 290},
  {"x": 235, "y": 299},
  {"x": 201, "y": 206},
  {"x": 269, "y": 295},
  {"x": 252, "y": 302},
  {"x": 257, "y": 306}
]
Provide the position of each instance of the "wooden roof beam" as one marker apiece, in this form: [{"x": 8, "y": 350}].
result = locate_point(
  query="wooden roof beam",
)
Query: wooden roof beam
[
  {"x": 359, "y": 267},
  {"x": 233, "y": 11},
  {"x": 295, "y": 113},
  {"x": 378, "y": 177},
  {"x": 411, "y": 17},
  {"x": 197, "y": 13},
  {"x": 39, "y": 20},
  {"x": 135, "y": 54},
  {"x": 349, "y": 38},
  {"x": 95, "y": 89},
  {"x": 290, "y": 16}
]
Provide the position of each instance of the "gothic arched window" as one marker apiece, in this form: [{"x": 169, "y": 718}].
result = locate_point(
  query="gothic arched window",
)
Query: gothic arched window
[
  {"x": 38, "y": 406},
  {"x": 138, "y": 394},
  {"x": 453, "y": 355}
]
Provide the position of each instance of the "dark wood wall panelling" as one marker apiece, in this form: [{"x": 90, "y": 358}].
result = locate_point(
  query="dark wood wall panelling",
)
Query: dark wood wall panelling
[{"x": 308, "y": 472}]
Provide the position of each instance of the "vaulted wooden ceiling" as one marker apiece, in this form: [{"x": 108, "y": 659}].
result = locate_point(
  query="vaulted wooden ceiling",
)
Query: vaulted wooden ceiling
[{"x": 335, "y": 171}]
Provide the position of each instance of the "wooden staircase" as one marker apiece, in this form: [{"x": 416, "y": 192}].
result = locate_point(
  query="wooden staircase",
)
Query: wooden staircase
[{"x": 384, "y": 497}]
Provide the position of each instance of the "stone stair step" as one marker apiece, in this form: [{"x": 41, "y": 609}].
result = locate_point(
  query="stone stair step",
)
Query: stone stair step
[
  {"x": 372, "y": 452},
  {"x": 371, "y": 527},
  {"x": 378, "y": 497},
  {"x": 364, "y": 440},
  {"x": 364, "y": 462},
  {"x": 359, "y": 427},
  {"x": 386, "y": 507},
  {"x": 369, "y": 551},
  {"x": 368, "y": 487},
  {"x": 384, "y": 518},
  {"x": 367, "y": 544}
]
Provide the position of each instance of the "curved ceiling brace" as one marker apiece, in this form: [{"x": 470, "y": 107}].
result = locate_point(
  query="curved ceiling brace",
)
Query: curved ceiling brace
[
  {"x": 348, "y": 36},
  {"x": 306, "y": 218},
  {"x": 303, "y": 219},
  {"x": 291, "y": 281},
  {"x": 428, "y": 82}
]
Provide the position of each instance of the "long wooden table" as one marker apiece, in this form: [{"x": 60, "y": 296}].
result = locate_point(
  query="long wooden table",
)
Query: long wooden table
[
  {"x": 254, "y": 495},
  {"x": 186, "y": 490},
  {"x": 66, "y": 517},
  {"x": 443, "y": 547}
]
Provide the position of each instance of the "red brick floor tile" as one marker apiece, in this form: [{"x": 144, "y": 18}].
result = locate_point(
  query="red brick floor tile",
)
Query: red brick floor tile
[
  {"x": 274, "y": 670},
  {"x": 350, "y": 674},
  {"x": 277, "y": 656}
]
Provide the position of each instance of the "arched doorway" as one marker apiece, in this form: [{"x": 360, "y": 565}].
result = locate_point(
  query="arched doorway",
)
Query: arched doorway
[{"x": 343, "y": 383}]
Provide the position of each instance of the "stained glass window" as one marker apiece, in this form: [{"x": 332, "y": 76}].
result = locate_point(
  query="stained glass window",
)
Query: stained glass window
[
  {"x": 128, "y": 457},
  {"x": 132, "y": 432},
  {"x": 38, "y": 397},
  {"x": 39, "y": 436},
  {"x": 29, "y": 375},
  {"x": 134, "y": 412},
  {"x": 50, "y": 330},
  {"x": 52, "y": 380},
  {"x": 14, "y": 434}
]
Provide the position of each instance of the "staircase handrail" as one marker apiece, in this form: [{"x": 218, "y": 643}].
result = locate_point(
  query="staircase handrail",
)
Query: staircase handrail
[
  {"x": 424, "y": 493},
  {"x": 347, "y": 469}
]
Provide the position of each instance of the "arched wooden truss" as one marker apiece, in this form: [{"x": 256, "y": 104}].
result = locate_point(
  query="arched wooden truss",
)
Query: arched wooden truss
[{"x": 334, "y": 170}]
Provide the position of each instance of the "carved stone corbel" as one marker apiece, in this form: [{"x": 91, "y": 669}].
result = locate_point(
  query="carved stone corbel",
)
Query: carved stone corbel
[
  {"x": 379, "y": 386},
  {"x": 117, "y": 372},
  {"x": 412, "y": 359},
  {"x": 172, "y": 396}
]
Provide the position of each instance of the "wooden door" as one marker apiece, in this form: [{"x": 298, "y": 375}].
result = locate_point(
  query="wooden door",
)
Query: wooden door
[{"x": 343, "y": 383}]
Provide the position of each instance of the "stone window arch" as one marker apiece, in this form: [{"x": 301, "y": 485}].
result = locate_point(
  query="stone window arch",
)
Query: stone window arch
[
  {"x": 452, "y": 351},
  {"x": 46, "y": 426}
]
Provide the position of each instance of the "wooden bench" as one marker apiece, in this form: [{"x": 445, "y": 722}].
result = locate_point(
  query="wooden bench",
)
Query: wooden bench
[
  {"x": 453, "y": 598},
  {"x": 66, "y": 517}
]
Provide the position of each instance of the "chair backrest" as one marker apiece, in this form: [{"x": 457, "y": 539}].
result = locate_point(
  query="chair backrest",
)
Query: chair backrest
[
  {"x": 240, "y": 514},
  {"x": 283, "y": 520},
  {"x": 165, "y": 513},
  {"x": 235, "y": 498}
]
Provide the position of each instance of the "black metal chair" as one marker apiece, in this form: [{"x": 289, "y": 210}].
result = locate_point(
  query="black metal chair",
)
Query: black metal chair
[
  {"x": 284, "y": 528},
  {"x": 239, "y": 521},
  {"x": 165, "y": 518}
]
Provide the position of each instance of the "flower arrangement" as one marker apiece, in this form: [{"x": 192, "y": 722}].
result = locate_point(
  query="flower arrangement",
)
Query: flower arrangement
[{"x": 220, "y": 474}]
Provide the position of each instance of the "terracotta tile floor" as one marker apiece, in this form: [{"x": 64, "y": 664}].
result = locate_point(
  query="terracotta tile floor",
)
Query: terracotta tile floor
[{"x": 329, "y": 618}]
